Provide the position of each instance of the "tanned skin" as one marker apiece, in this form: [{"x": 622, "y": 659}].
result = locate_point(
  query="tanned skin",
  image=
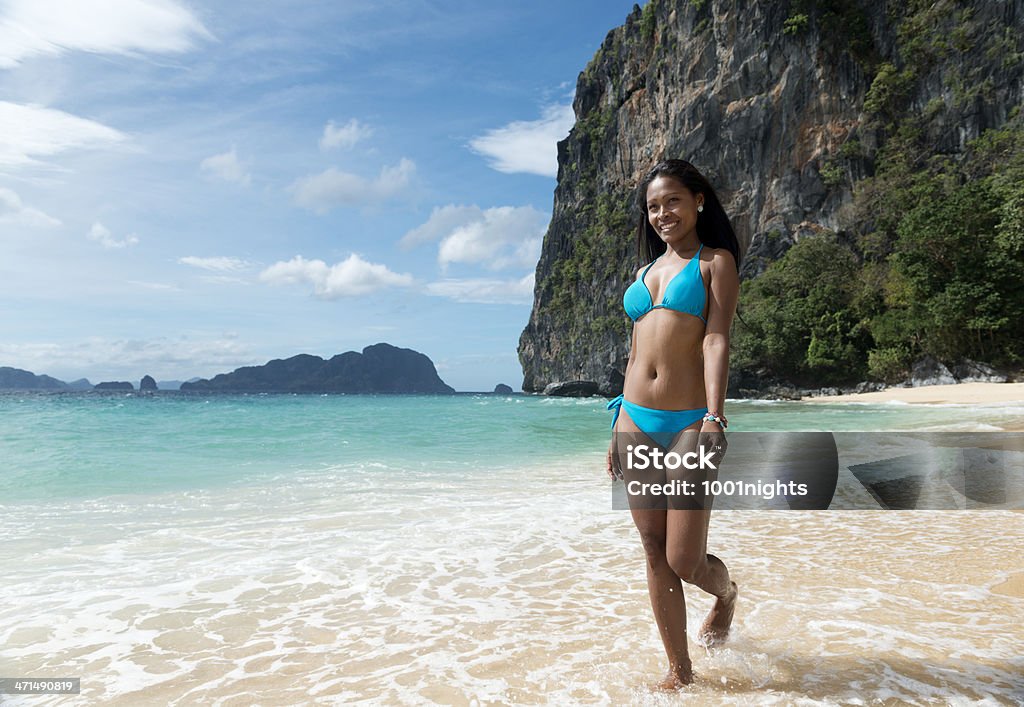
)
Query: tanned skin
[{"x": 678, "y": 363}]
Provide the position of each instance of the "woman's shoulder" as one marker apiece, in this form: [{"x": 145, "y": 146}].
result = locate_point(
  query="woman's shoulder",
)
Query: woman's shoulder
[{"x": 719, "y": 257}]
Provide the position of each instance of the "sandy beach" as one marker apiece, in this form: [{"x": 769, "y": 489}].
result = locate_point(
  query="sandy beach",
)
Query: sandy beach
[
  {"x": 961, "y": 393},
  {"x": 275, "y": 561}
]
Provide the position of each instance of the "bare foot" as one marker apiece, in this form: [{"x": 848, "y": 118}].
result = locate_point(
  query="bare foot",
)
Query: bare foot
[
  {"x": 716, "y": 626},
  {"x": 674, "y": 680}
]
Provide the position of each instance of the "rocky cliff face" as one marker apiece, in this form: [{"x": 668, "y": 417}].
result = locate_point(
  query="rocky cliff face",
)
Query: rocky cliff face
[{"x": 783, "y": 105}]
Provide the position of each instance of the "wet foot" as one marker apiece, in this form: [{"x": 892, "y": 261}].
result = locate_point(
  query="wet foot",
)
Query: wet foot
[
  {"x": 674, "y": 680},
  {"x": 716, "y": 626}
]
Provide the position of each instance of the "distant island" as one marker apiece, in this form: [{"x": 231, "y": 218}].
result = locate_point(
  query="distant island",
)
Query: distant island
[
  {"x": 17, "y": 379},
  {"x": 114, "y": 385},
  {"x": 380, "y": 368}
]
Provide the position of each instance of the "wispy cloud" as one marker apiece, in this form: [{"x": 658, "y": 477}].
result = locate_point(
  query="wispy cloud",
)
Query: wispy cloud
[
  {"x": 13, "y": 210},
  {"x": 223, "y": 280},
  {"x": 30, "y": 131},
  {"x": 344, "y": 136},
  {"x": 485, "y": 291},
  {"x": 217, "y": 264},
  {"x": 33, "y": 27},
  {"x": 351, "y": 277},
  {"x": 227, "y": 167},
  {"x": 332, "y": 187},
  {"x": 160, "y": 286},
  {"x": 102, "y": 235},
  {"x": 529, "y": 146},
  {"x": 499, "y": 237},
  {"x": 99, "y": 358}
]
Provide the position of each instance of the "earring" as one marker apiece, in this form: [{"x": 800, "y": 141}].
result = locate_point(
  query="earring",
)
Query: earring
[{"x": 700, "y": 208}]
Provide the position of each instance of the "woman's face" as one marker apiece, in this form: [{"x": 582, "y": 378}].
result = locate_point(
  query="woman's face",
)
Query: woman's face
[{"x": 672, "y": 209}]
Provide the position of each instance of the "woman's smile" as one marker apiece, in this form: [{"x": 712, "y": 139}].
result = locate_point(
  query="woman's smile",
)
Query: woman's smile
[{"x": 671, "y": 208}]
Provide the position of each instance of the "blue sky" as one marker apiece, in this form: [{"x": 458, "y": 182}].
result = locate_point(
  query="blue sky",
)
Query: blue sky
[{"x": 190, "y": 187}]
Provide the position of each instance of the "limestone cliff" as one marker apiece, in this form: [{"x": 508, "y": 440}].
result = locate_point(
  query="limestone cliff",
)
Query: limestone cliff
[{"x": 783, "y": 105}]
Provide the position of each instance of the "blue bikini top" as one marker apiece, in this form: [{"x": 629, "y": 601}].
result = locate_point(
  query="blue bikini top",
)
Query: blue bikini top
[{"x": 685, "y": 293}]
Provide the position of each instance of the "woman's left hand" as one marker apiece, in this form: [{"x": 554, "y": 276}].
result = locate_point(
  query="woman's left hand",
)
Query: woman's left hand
[{"x": 713, "y": 438}]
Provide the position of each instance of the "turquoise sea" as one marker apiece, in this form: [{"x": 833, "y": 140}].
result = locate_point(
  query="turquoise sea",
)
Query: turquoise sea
[
  {"x": 303, "y": 549},
  {"x": 88, "y": 445}
]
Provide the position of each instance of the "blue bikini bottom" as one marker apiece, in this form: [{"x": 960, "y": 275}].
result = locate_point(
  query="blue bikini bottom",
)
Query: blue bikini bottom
[{"x": 660, "y": 425}]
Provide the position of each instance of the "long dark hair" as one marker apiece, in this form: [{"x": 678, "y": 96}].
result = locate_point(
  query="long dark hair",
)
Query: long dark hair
[{"x": 713, "y": 227}]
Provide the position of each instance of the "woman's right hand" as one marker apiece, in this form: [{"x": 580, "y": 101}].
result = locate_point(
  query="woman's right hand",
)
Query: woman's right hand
[{"x": 613, "y": 471}]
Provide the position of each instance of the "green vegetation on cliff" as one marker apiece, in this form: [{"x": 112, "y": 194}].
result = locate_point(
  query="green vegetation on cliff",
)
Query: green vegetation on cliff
[
  {"x": 573, "y": 281},
  {"x": 938, "y": 270},
  {"x": 931, "y": 262}
]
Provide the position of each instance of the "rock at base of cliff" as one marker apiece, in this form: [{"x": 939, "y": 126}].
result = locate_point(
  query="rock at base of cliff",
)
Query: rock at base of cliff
[
  {"x": 969, "y": 371},
  {"x": 147, "y": 383},
  {"x": 572, "y": 389},
  {"x": 503, "y": 389},
  {"x": 928, "y": 371}
]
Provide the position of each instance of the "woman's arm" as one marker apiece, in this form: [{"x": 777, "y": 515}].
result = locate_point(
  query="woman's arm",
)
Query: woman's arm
[
  {"x": 614, "y": 473},
  {"x": 632, "y": 339},
  {"x": 724, "y": 292}
]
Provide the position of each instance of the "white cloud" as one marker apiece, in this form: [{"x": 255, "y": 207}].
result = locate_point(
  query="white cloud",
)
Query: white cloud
[
  {"x": 227, "y": 167},
  {"x": 33, "y": 27},
  {"x": 499, "y": 237},
  {"x": 529, "y": 146},
  {"x": 321, "y": 192},
  {"x": 13, "y": 210},
  {"x": 102, "y": 235},
  {"x": 443, "y": 220},
  {"x": 345, "y": 136},
  {"x": 27, "y": 131},
  {"x": 485, "y": 291},
  {"x": 217, "y": 264},
  {"x": 351, "y": 277}
]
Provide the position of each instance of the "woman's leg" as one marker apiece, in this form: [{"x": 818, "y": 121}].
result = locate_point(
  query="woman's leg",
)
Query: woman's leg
[
  {"x": 667, "y": 600},
  {"x": 663, "y": 584},
  {"x": 686, "y": 552},
  {"x": 686, "y": 538}
]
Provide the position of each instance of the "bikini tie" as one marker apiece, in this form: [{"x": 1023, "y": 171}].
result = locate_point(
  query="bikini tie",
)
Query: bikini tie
[{"x": 615, "y": 404}]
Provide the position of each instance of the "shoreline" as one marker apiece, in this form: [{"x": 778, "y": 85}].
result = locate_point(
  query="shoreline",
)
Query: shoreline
[{"x": 953, "y": 394}]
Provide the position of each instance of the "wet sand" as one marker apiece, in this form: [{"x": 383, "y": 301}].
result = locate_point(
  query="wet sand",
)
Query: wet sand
[
  {"x": 1012, "y": 587},
  {"x": 438, "y": 598}
]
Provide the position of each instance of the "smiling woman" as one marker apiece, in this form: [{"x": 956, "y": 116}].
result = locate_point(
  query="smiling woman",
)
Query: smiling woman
[{"x": 682, "y": 304}]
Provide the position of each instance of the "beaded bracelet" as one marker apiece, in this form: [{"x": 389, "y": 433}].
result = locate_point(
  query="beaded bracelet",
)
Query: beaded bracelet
[{"x": 715, "y": 417}]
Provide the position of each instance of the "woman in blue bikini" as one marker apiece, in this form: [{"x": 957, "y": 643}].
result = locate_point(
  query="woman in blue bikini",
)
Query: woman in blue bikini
[{"x": 682, "y": 305}]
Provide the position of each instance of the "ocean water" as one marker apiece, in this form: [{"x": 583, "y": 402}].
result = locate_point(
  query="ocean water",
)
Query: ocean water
[{"x": 282, "y": 549}]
